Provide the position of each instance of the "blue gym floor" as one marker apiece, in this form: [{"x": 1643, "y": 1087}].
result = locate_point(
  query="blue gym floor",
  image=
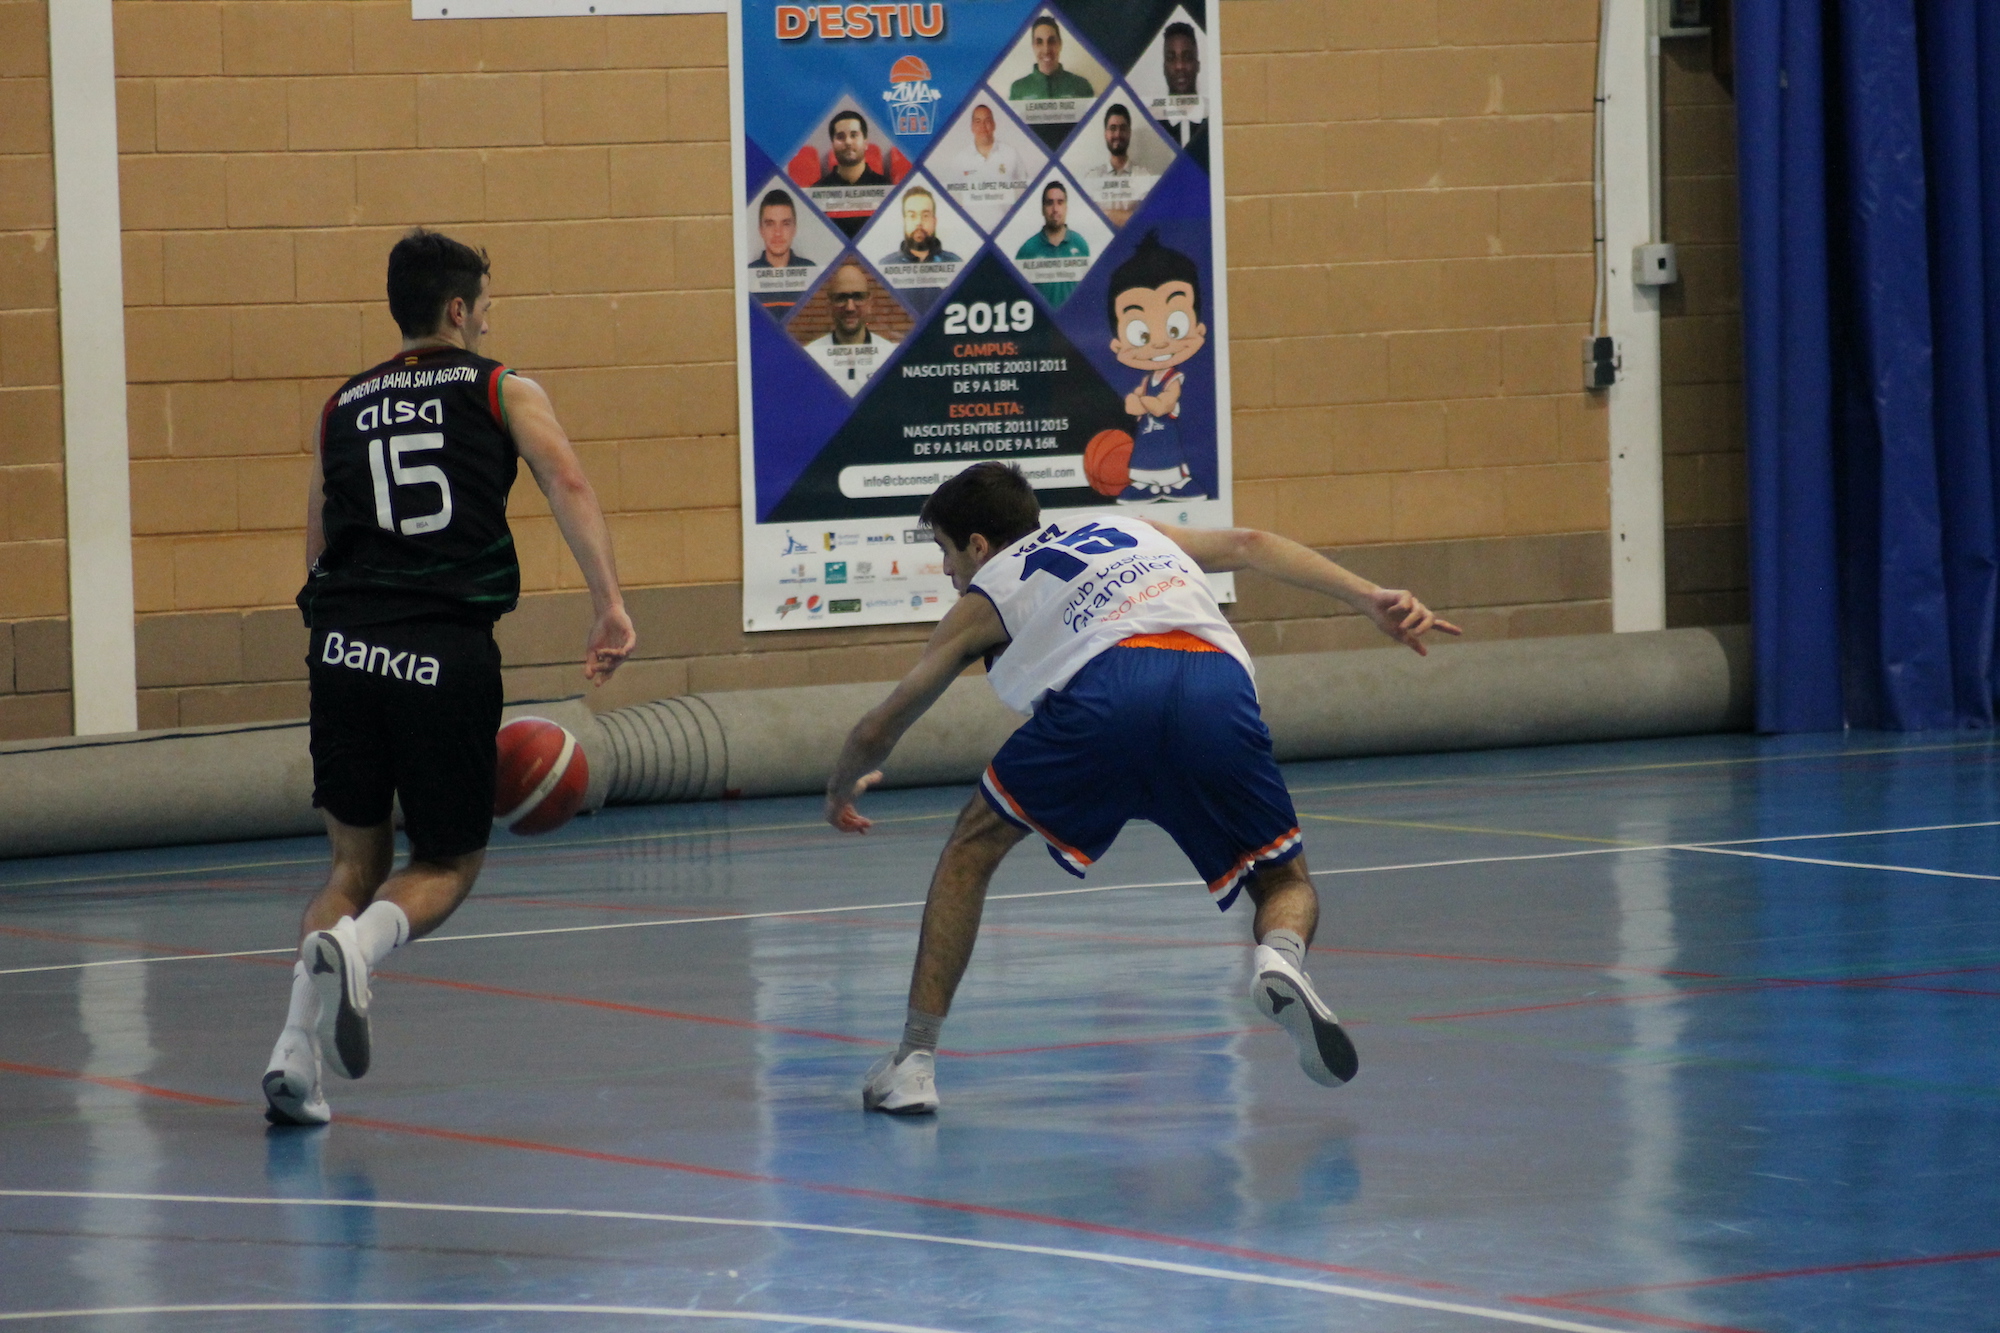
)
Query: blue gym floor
[{"x": 1692, "y": 1034}]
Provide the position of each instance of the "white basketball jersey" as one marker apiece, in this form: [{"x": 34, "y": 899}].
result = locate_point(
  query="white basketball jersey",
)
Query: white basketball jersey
[{"x": 1077, "y": 587}]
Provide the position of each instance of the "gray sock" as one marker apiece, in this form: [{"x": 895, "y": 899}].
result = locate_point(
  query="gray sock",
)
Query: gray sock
[
  {"x": 920, "y": 1033},
  {"x": 1288, "y": 944}
]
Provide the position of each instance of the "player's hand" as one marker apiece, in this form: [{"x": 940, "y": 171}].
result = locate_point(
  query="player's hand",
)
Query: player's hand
[
  {"x": 612, "y": 640},
  {"x": 1134, "y": 404},
  {"x": 1398, "y": 614},
  {"x": 840, "y": 811}
]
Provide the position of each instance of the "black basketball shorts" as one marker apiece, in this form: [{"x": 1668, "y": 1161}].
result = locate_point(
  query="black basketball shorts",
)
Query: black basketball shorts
[{"x": 408, "y": 709}]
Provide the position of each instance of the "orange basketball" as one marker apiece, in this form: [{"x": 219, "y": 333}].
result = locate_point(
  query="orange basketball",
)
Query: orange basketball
[
  {"x": 542, "y": 776},
  {"x": 1107, "y": 461}
]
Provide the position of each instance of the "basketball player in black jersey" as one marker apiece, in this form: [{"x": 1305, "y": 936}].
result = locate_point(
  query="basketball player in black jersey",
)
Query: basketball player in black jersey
[{"x": 411, "y": 561}]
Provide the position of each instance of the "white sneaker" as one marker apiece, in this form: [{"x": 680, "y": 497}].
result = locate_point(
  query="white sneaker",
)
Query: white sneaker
[
  {"x": 291, "y": 1084},
  {"x": 906, "y": 1088},
  {"x": 340, "y": 975},
  {"x": 1286, "y": 997}
]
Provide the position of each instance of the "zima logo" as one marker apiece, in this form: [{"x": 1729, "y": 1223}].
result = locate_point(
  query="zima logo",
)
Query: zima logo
[
  {"x": 358, "y": 656},
  {"x": 910, "y": 96},
  {"x": 793, "y": 546}
]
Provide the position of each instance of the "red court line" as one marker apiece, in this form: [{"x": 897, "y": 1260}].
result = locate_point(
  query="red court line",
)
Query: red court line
[
  {"x": 884, "y": 1196},
  {"x": 1612, "y": 1312},
  {"x": 1863, "y": 985},
  {"x": 1779, "y": 1274},
  {"x": 498, "y": 901},
  {"x": 28, "y": 933},
  {"x": 645, "y": 1011},
  {"x": 122, "y": 1084},
  {"x": 1918, "y": 976},
  {"x": 1603, "y": 999},
  {"x": 614, "y": 1006},
  {"x": 648, "y": 1011},
  {"x": 753, "y": 1178},
  {"x": 1524, "y": 962},
  {"x": 1886, "y": 983},
  {"x": 1116, "y": 1041}
]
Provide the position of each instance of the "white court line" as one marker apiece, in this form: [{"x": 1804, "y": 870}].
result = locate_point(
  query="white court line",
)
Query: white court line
[
  {"x": 612, "y": 925},
  {"x": 127, "y": 962},
  {"x": 1721, "y": 847},
  {"x": 480, "y": 1307},
  {"x": 792, "y": 911},
  {"x": 1845, "y": 865},
  {"x": 1047, "y": 1251}
]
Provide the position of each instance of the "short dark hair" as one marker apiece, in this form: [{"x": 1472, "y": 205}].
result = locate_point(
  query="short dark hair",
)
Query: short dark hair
[
  {"x": 776, "y": 199},
  {"x": 1048, "y": 19},
  {"x": 1180, "y": 30},
  {"x": 1055, "y": 185},
  {"x": 426, "y": 270},
  {"x": 1117, "y": 109},
  {"x": 838, "y": 116},
  {"x": 991, "y": 499},
  {"x": 1152, "y": 265}
]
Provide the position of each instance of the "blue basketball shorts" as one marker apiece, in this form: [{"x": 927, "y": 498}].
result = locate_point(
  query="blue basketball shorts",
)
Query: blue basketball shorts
[{"x": 1159, "y": 734}]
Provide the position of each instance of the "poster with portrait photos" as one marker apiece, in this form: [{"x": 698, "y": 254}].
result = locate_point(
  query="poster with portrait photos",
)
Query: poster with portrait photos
[{"x": 969, "y": 232}]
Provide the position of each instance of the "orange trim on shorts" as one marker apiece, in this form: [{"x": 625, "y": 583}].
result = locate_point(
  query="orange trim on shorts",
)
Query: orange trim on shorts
[
  {"x": 1246, "y": 862},
  {"x": 1179, "y": 640},
  {"x": 994, "y": 785}
]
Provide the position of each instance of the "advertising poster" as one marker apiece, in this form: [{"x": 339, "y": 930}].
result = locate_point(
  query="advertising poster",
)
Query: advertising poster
[{"x": 968, "y": 230}]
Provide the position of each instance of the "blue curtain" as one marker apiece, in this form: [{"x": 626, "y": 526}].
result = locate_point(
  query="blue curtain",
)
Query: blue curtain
[{"x": 1869, "y": 147}]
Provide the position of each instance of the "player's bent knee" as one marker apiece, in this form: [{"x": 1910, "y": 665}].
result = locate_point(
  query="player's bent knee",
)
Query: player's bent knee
[
  {"x": 978, "y": 824},
  {"x": 460, "y": 870},
  {"x": 1290, "y": 875}
]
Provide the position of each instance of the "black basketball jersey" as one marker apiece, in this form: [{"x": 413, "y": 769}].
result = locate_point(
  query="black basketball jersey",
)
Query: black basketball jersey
[{"x": 417, "y": 462}]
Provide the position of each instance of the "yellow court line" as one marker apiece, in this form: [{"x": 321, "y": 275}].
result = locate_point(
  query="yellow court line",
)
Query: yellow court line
[
  {"x": 747, "y": 828},
  {"x": 1495, "y": 778},
  {"x": 6, "y": 884},
  {"x": 1484, "y": 780},
  {"x": 1474, "y": 828}
]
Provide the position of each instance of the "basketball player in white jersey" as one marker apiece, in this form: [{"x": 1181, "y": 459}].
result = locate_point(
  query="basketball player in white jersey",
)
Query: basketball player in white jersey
[{"x": 1143, "y": 708}]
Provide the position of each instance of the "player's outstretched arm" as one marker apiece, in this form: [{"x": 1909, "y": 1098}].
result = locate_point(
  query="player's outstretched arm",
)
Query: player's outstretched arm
[
  {"x": 542, "y": 442},
  {"x": 1395, "y": 611},
  {"x": 967, "y": 633}
]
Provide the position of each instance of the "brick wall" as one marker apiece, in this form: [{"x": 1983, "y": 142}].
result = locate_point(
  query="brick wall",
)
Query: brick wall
[
  {"x": 1411, "y": 275},
  {"x": 34, "y": 582},
  {"x": 1410, "y": 236}
]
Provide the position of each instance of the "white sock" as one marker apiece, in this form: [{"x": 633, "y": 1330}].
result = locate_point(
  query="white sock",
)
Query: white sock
[
  {"x": 381, "y": 928},
  {"x": 294, "y": 1047},
  {"x": 304, "y": 1010}
]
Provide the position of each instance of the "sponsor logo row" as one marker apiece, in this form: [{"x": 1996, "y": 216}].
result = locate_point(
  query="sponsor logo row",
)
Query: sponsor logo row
[
  {"x": 813, "y": 605},
  {"x": 833, "y": 541}
]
